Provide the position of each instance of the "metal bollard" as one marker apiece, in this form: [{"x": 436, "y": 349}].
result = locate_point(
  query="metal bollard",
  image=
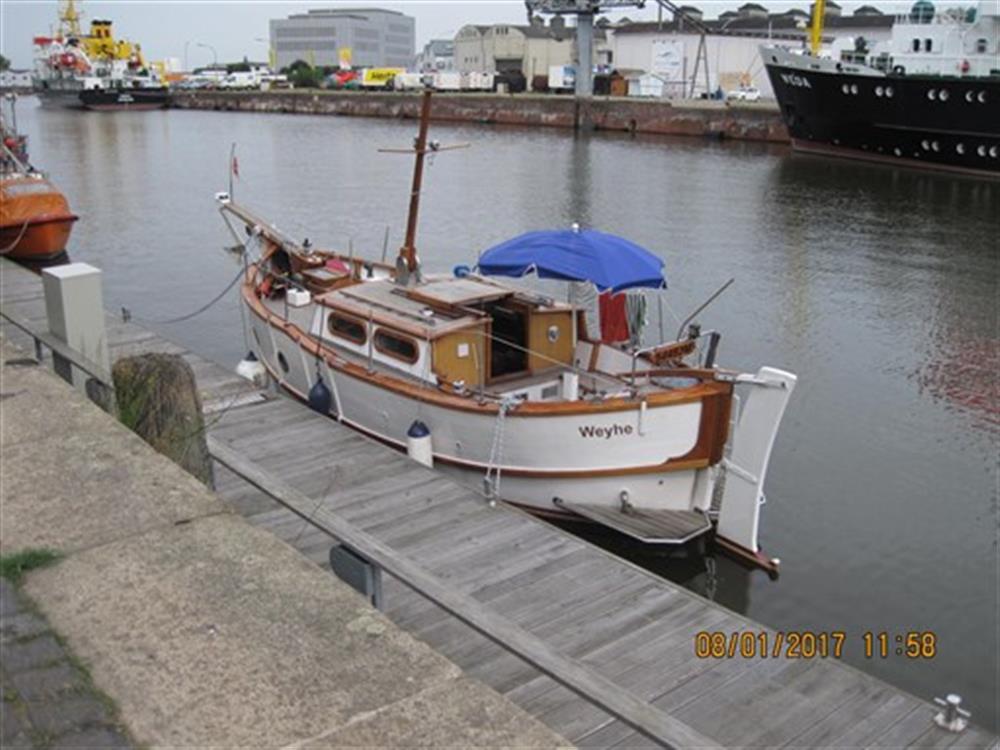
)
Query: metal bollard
[{"x": 954, "y": 718}]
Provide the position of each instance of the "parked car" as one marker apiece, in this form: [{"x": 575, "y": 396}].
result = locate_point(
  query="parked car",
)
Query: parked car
[{"x": 747, "y": 94}]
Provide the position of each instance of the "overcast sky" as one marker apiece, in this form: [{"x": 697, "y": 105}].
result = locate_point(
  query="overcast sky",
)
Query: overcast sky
[{"x": 238, "y": 28}]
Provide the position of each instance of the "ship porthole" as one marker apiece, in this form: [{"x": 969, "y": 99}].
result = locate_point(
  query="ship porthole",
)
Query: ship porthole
[
  {"x": 993, "y": 152},
  {"x": 960, "y": 148},
  {"x": 888, "y": 91},
  {"x": 969, "y": 96},
  {"x": 981, "y": 150},
  {"x": 925, "y": 145},
  {"x": 982, "y": 97},
  {"x": 854, "y": 89},
  {"x": 943, "y": 95},
  {"x": 879, "y": 91},
  {"x": 774, "y": 59},
  {"x": 935, "y": 146},
  {"x": 897, "y": 152},
  {"x": 846, "y": 89},
  {"x": 931, "y": 94}
]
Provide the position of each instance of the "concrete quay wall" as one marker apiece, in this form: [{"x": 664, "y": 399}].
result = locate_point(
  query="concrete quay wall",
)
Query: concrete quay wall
[
  {"x": 204, "y": 630},
  {"x": 745, "y": 121}
]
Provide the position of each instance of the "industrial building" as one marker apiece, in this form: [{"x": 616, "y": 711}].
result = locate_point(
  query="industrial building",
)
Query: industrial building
[
  {"x": 668, "y": 49},
  {"x": 360, "y": 37},
  {"x": 437, "y": 55},
  {"x": 531, "y": 49}
]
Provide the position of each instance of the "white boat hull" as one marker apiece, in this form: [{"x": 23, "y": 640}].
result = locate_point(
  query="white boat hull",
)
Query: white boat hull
[{"x": 600, "y": 458}]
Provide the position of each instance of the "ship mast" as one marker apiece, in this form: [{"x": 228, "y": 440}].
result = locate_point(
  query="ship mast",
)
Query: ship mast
[
  {"x": 69, "y": 20},
  {"x": 406, "y": 264},
  {"x": 816, "y": 30},
  {"x": 408, "y": 252}
]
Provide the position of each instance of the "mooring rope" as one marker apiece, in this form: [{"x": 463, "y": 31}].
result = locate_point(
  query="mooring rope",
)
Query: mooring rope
[{"x": 20, "y": 236}]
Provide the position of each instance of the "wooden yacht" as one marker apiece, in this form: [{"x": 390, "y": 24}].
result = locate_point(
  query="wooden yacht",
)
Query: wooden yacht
[{"x": 510, "y": 390}]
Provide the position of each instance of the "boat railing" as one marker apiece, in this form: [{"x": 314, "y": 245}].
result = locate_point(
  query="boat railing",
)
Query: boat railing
[{"x": 10, "y": 158}]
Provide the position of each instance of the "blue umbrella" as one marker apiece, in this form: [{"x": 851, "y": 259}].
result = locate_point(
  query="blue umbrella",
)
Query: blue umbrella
[{"x": 609, "y": 262}]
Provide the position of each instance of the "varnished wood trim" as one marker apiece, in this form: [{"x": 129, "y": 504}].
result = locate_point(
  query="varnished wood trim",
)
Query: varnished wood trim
[
  {"x": 685, "y": 463},
  {"x": 439, "y": 397}
]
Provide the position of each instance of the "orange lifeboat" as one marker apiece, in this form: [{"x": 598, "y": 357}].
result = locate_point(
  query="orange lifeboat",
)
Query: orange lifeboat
[{"x": 35, "y": 220}]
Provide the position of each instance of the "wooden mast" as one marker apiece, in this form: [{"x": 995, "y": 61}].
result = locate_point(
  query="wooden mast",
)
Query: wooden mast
[{"x": 408, "y": 251}]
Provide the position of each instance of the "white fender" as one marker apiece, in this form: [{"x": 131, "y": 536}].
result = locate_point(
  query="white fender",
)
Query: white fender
[{"x": 746, "y": 467}]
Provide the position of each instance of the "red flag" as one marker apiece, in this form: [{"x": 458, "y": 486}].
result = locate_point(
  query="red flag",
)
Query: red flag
[{"x": 236, "y": 166}]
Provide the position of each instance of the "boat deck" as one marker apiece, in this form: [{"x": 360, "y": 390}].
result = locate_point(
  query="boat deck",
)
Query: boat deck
[{"x": 634, "y": 628}]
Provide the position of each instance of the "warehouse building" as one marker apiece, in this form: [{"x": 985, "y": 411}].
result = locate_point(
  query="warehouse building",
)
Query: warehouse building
[
  {"x": 362, "y": 37},
  {"x": 531, "y": 49},
  {"x": 669, "y": 49}
]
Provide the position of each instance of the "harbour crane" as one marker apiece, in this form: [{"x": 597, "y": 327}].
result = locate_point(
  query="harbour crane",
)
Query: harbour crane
[{"x": 585, "y": 10}]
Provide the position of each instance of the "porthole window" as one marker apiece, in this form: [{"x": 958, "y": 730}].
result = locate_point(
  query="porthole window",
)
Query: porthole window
[
  {"x": 925, "y": 145},
  {"x": 854, "y": 89},
  {"x": 960, "y": 148},
  {"x": 846, "y": 89},
  {"x": 982, "y": 97},
  {"x": 283, "y": 363},
  {"x": 888, "y": 91},
  {"x": 343, "y": 327},
  {"x": 969, "y": 96},
  {"x": 943, "y": 96},
  {"x": 935, "y": 146},
  {"x": 928, "y": 45},
  {"x": 396, "y": 346},
  {"x": 879, "y": 91},
  {"x": 981, "y": 150},
  {"x": 916, "y": 45},
  {"x": 932, "y": 94},
  {"x": 897, "y": 152},
  {"x": 994, "y": 151}
]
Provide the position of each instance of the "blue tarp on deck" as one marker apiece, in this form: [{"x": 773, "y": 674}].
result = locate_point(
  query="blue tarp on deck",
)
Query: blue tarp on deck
[{"x": 609, "y": 262}]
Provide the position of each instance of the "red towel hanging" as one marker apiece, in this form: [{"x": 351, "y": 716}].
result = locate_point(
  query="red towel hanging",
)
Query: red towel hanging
[{"x": 614, "y": 322}]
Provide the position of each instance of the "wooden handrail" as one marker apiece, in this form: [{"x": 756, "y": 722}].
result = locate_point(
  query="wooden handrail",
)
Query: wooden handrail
[{"x": 578, "y": 677}]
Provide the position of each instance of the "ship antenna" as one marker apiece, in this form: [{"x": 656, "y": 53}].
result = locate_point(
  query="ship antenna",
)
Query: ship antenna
[{"x": 407, "y": 261}]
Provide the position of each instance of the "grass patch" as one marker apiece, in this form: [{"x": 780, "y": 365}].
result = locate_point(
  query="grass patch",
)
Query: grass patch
[{"x": 13, "y": 567}]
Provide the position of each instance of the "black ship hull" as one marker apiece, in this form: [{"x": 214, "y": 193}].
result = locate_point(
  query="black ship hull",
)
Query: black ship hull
[
  {"x": 121, "y": 99},
  {"x": 937, "y": 122}
]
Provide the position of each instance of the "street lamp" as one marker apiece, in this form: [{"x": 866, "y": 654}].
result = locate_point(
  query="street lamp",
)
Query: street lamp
[
  {"x": 271, "y": 61},
  {"x": 215, "y": 56}
]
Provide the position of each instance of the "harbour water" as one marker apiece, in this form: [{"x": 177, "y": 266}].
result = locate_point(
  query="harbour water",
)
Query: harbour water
[{"x": 878, "y": 287}]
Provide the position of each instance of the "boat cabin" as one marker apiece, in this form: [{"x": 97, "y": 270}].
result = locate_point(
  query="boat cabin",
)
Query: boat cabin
[{"x": 459, "y": 333}]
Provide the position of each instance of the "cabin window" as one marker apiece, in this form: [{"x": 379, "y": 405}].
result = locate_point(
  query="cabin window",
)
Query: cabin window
[
  {"x": 916, "y": 45},
  {"x": 928, "y": 45},
  {"x": 981, "y": 46},
  {"x": 395, "y": 346},
  {"x": 346, "y": 328},
  {"x": 283, "y": 363}
]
